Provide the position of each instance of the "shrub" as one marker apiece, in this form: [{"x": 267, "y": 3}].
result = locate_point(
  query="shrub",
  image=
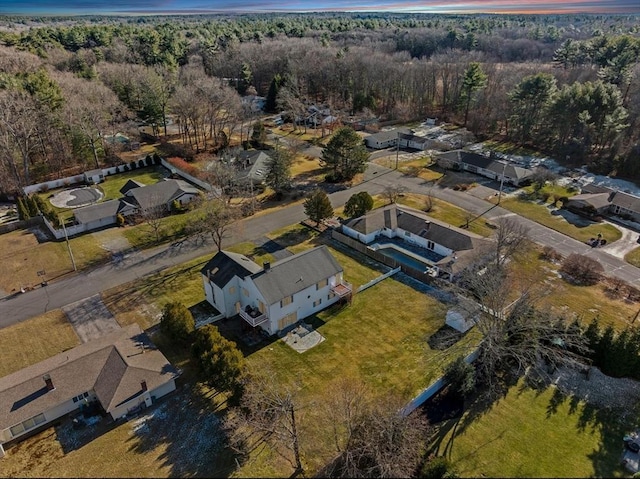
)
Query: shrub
[
  {"x": 550, "y": 254},
  {"x": 438, "y": 468},
  {"x": 461, "y": 377},
  {"x": 127, "y": 168},
  {"x": 148, "y": 160},
  {"x": 177, "y": 322},
  {"x": 176, "y": 206},
  {"x": 155, "y": 159},
  {"x": 133, "y": 165},
  {"x": 43, "y": 188},
  {"x": 582, "y": 270},
  {"x": 141, "y": 163},
  {"x": 120, "y": 219}
]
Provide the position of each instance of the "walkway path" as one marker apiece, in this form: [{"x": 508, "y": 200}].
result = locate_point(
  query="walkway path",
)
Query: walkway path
[{"x": 84, "y": 284}]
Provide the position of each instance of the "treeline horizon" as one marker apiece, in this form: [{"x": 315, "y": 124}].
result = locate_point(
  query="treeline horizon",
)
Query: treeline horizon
[{"x": 566, "y": 85}]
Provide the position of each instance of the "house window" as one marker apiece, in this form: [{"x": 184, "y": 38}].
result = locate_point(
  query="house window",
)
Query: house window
[
  {"x": 406, "y": 233},
  {"x": 317, "y": 303},
  {"x": 232, "y": 290},
  {"x": 28, "y": 424},
  {"x": 285, "y": 301},
  {"x": 430, "y": 245},
  {"x": 245, "y": 292},
  {"x": 322, "y": 284},
  {"x": 261, "y": 307},
  {"x": 80, "y": 397}
]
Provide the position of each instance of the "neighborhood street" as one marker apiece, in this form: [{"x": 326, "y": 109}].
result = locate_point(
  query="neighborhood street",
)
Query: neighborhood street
[{"x": 82, "y": 285}]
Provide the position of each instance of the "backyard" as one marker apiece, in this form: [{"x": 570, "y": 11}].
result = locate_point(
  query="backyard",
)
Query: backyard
[{"x": 533, "y": 433}]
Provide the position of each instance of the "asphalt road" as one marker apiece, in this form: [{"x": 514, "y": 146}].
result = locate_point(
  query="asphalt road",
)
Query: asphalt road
[{"x": 85, "y": 284}]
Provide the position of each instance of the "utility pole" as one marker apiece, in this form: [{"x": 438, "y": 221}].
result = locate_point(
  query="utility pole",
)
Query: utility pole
[
  {"x": 397, "y": 147},
  {"x": 73, "y": 261},
  {"x": 504, "y": 166}
]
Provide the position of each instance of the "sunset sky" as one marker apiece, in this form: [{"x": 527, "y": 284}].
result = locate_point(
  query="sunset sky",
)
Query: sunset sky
[{"x": 219, "y": 6}]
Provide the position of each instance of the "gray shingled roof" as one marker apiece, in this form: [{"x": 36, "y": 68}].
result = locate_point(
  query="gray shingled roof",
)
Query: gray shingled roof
[
  {"x": 293, "y": 274},
  {"x": 129, "y": 185},
  {"x": 596, "y": 200},
  {"x": 626, "y": 201},
  {"x": 113, "y": 365},
  {"x": 225, "y": 265},
  {"x": 486, "y": 163},
  {"x": 161, "y": 193},
  {"x": 417, "y": 223},
  {"x": 98, "y": 211},
  {"x": 388, "y": 134},
  {"x": 258, "y": 160}
]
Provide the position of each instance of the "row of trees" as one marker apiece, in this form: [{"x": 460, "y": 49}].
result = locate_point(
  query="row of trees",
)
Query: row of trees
[{"x": 88, "y": 85}]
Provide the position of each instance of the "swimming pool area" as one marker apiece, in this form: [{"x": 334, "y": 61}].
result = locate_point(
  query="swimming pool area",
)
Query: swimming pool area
[{"x": 405, "y": 257}]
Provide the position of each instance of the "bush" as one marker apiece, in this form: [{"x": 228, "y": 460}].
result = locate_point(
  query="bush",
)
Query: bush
[
  {"x": 550, "y": 254},
  {"x": 176, "y": 206},
  {"x": 119, "y": 219},
  {"x": 220, "y": 360},
  {"x": 461, "y": 377},
  {"x": 438, "y": 468},
  {"x": 582, "y": 270},
  {"x": 177, "y": 322},
  {"x": 141, "y": 163},
  {"x": 133, "y": 165}
]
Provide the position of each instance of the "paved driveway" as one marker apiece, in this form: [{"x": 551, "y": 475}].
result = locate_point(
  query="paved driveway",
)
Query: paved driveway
[{"x": 90, "y": 318}]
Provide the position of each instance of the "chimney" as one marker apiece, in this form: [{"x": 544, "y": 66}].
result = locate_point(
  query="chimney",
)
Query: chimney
[
  {"x": 266, "y": 265},
  {"x": 143, "y": 385},
  {"x": 48, "y": 382}
]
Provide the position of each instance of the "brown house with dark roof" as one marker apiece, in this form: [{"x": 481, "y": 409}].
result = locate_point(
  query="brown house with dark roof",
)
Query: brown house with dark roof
[{"x": 121, "y": 370}]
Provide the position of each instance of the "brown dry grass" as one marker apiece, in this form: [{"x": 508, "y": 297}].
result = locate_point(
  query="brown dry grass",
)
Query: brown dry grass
[
  {"x": 21, "y": 257},
  {"x": 34, "y": 340}
]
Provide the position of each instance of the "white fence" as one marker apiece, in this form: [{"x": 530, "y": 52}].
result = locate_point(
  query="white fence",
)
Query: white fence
[
  {"x": 378, "y": 279},
  {"x": 71, "y": 230},
  {"x": 50, "y": 185},
  {"x": 434, "y": 388}
]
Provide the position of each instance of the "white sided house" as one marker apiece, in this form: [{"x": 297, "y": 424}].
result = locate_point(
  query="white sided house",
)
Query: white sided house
[
  {"x": 276, "y": 295},
  {"x": 122, "y": 371},
  {"x": 445, "y": 248},
  {"x": 486, "y": 166}
]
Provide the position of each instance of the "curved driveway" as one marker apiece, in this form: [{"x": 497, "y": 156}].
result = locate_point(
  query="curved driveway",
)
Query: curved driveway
[{"x": 85, "y": 284}]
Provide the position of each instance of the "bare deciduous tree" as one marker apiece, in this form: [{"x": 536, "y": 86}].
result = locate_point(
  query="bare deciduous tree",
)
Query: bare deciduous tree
[
  {"x": 372, "y": 436},
  {"x": 267, "y": 417},
  {"x": 510, "y": 238},
  {"x": 392, "y": 193}
]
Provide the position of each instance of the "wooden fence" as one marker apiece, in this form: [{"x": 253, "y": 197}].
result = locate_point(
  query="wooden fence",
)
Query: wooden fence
[{"x": 379, "y": 257}]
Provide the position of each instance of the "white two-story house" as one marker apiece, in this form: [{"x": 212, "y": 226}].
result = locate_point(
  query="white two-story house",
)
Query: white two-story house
[{"x": 274, "y": 296}]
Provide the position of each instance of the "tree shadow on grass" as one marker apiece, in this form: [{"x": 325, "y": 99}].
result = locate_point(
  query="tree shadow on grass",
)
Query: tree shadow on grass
[
  {"x": 608, "y": 423},
  {"x": 186, "y": 425}
]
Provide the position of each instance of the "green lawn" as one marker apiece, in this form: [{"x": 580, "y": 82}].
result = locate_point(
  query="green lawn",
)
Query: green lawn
[
  {"x": 530, "y": 433},
  {"x": 380, "y": 339},
  {"x": 633, "y": 257},
  {"x": 441, "y": 210},
  {"x": 540, "y": 214}
]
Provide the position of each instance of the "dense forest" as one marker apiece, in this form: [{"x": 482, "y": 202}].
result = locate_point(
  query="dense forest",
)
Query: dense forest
[{"x": 568, "y": 85}]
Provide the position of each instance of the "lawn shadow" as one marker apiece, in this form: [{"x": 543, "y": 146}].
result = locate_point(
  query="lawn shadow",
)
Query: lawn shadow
[
  {"x": 609, "y": 423},
  {"x": 572, "y": 218},
  {"x": 185, "y": 424}
]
